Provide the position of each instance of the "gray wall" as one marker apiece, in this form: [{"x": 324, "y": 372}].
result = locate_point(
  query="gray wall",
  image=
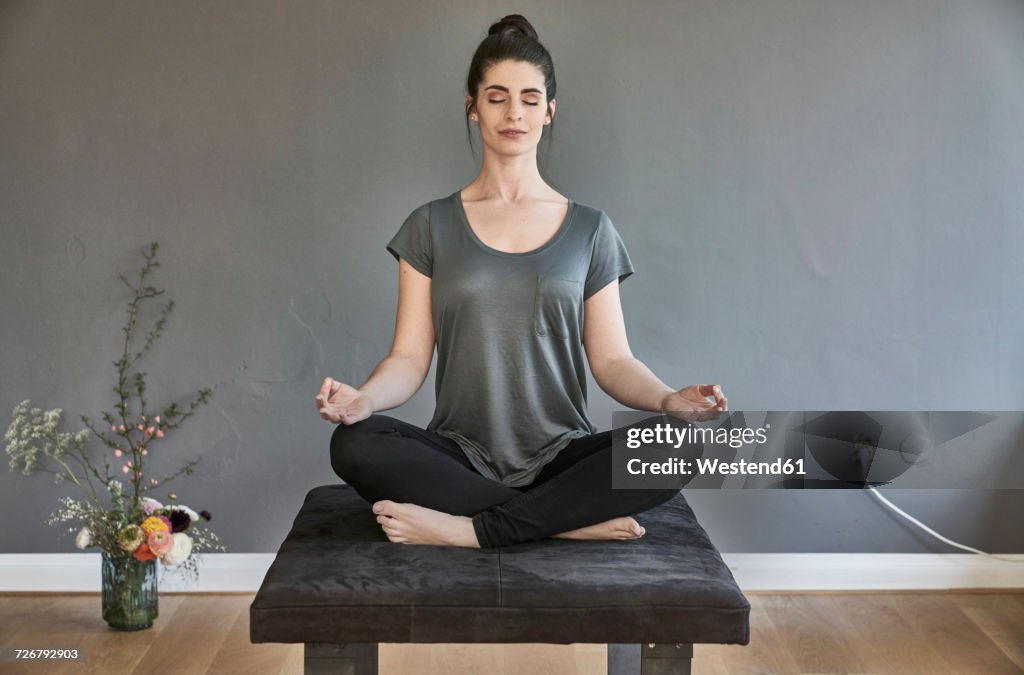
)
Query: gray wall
[{"x": 822, "y": 200}]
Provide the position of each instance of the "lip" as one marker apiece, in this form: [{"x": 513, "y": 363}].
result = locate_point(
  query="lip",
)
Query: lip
[{"x": 512, "y": 133}]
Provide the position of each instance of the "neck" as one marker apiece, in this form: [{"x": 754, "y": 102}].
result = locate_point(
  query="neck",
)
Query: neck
[{"x": 507, "y": 179}]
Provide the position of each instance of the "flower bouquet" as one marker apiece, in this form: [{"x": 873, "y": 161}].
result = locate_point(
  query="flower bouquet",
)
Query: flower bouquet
[{"x": 132, "y": 529}]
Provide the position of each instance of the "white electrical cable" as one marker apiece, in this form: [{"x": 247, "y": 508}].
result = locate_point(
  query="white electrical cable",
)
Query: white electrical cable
[{"x": 933, "y": 532}]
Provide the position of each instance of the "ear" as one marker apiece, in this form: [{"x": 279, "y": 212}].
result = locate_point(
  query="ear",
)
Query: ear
[
  {"x": 469, "y": 104},
  {"x": 551, "y": 110}
]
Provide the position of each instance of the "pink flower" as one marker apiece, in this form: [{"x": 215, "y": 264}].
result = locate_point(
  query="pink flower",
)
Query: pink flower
[
  {"x": 139, "y": 427},
  {"x": 144, "y": 451},
  {"x": 124, "y": 469},
  {"x": 152, "y": 481},
  {"x": 117, "y": 452},
  {"x": 157, "y": 419},
  {"x": 149, "y": 505},
  {"x": 150, "y": 431},
  {"x": 160, "y": 543},
  {"x": 113, "y": 428},
  {"x": 159, "y": 433},
  {"x": 170, "y": 525},
  {"x": 121, "y": 428}
]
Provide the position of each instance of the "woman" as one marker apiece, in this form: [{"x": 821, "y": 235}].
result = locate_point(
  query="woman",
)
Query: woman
[{"x": 511, "y": 281}]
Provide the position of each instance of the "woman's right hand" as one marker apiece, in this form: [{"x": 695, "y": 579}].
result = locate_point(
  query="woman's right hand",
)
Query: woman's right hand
[{"x": 341, "y": 403}]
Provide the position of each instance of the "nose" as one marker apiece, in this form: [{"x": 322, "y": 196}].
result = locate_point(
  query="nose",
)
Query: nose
[{"x": 515, "y": 111}]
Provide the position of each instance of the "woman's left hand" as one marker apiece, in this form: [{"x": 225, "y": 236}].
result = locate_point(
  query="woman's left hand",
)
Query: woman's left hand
[{"x": 692, "y": 403}]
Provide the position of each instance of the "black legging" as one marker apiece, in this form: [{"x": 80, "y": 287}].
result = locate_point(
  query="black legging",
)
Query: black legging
[{"x": 385, "y": 458}]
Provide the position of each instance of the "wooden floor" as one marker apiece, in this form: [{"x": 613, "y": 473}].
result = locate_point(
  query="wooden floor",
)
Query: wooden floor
[{"x": 961, "y": 632}]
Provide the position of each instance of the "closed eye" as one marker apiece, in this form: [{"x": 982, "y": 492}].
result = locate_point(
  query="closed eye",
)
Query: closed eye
[{"x": 526, "y": 102}]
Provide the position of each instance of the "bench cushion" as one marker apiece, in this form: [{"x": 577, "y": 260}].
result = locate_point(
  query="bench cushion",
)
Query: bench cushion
[{"x": 337, "y": 579}]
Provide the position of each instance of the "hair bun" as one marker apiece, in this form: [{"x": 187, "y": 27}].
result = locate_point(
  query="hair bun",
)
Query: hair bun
[{"x": 514, "y": 23}]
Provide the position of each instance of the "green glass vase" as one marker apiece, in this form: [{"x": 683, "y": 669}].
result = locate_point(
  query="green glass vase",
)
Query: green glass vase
[{"x": 129, "y": 592}]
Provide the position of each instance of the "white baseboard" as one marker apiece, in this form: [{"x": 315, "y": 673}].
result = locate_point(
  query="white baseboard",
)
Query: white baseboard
[
  {"x": 80, "y": 572},
  {"x": 244, "y": 572},
  {"x": 873, "y": 571}
]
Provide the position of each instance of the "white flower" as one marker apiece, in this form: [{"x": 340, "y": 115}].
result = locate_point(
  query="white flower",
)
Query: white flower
[
  {"x": 150, "y": 505},
  {"x": 84, "y": 538},
  {"x": 181, "y": 550}
]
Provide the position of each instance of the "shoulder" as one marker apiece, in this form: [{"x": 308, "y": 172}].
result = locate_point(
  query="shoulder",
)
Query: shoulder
[
  {"x": 437, "y": 209},
  {"x": 426, "y": 213},
  {"x": 594, "y": 221}
]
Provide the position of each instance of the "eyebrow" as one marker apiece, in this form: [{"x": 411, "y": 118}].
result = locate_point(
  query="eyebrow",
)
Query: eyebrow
[{"x": 505, "y": 89}]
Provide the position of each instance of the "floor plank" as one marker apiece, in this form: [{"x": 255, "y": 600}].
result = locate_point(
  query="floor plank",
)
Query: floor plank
[
  {"x": 1001, "y": 619},
  {"x": 918, "y": 632},
  {"x": 886, "y": 638},
  {"x": 965, "y": 647}
]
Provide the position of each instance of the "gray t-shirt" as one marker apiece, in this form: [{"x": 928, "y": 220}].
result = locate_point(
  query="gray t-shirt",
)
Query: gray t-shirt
[{"x": 511, "y": 378}]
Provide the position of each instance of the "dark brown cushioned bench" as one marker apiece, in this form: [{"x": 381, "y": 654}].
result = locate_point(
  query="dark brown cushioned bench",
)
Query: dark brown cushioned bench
[{"x": 339, "y": 586}]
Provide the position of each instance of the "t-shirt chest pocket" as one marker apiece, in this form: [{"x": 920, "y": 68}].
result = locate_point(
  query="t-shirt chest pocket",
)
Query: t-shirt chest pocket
[{"x": 556, "y": 306}]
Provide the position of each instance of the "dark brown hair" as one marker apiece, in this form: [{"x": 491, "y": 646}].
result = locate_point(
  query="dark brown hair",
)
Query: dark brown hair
[{"x": 511, "y": 38}]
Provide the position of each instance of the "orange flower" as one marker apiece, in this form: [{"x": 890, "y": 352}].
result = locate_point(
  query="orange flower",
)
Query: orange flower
[
  {"x": 154, "y": 524},
  {"x": 143, "y": 554}
]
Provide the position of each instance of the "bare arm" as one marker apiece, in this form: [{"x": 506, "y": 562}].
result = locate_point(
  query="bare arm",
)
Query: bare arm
[
  {"x": 623, "y": 376},
  {"x": 401, "y": 373}
]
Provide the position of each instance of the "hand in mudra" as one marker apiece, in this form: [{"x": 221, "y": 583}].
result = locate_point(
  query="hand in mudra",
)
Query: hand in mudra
[
  {"x": 342, "y": 403},
  {"x": 692, "y": 404}
]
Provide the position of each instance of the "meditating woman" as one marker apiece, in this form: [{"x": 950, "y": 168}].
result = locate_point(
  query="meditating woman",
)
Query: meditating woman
[{"x": 511, "y": 281}]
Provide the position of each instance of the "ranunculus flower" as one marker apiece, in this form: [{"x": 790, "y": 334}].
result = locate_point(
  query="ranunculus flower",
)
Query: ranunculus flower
[
  {"x": 84, "y": 538},
  {"x": 153, "y": 524},
  {"x": 167, "y": 522},
  {"x": 149, "y": 505},
  {"x": 180, "y": 552},
  {"x": 160, "y": 543},
  {"x": 130, "y": 537},
  {"x": 143, "y": 554}
]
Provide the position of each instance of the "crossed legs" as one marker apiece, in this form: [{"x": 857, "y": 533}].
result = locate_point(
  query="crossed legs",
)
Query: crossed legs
[{"x": 424, "y": 490}]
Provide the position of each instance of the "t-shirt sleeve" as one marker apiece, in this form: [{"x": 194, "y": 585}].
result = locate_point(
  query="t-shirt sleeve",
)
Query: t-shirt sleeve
[
  {"x": 413, "y": 241},
  {"x": 609, "y": 261}
]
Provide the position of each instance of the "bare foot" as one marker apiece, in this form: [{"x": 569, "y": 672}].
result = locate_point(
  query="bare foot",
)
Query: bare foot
[
  {"x": 616, "y": 528},
  {"x": 413, "y": 524}
]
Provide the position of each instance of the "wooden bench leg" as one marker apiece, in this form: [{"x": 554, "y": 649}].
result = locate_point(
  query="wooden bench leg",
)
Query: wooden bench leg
[
  {"x": 650, "y": 659},
  {"x": 356, "y": 658}
]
